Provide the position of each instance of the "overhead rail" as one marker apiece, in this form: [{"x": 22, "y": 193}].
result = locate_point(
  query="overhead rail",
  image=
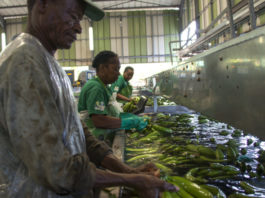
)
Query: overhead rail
[
  {"x": 239, "y": 13},
  {"x": 2, "y": 23}
]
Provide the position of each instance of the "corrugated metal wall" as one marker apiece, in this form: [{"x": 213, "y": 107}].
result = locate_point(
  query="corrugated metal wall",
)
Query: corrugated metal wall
[{"x": 137, "y": 37}]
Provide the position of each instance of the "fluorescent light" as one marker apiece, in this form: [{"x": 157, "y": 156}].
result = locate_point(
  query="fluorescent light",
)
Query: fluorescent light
[
  {"x": 91, "y": 38},
  {"x": 127, "y": 9},
  {"x": 3, "y": 39}
]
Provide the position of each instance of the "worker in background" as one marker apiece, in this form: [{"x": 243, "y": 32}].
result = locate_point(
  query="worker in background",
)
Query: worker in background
[
  {"x": 97, "y": 103},
  {"x": 122, "y": 86},
  {"x": 44, "y": 150}
]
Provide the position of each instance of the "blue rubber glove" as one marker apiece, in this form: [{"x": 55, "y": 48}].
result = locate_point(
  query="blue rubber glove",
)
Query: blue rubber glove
[
  {"x": 131, "y": 121},
  {"x": 143, "y": 123}
]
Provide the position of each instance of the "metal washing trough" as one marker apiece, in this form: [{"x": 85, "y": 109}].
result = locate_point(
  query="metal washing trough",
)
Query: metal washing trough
[{"x": 226, "y": 83}]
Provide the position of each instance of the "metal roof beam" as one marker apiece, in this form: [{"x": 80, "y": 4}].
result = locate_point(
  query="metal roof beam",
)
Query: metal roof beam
[
  {"x": 181, "y": 7},
  {"x": 14, "y": 15},
  {"x": 252, "y": 14},
  {"x": 151, "y": 3},
  {"x": 14, "y": 6},
  {"x": 94, "y": 1},
  {"x": 116, "y": 4},
  {"x": 141, "y": 8}
]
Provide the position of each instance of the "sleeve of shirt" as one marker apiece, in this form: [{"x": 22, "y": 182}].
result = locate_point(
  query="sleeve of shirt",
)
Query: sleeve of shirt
[
  {"x": 35, "y": 128},
  {"x": 96, "y": 149},
  {"x": 95, "y": 101},
  {"x": 117, "y": 85}
]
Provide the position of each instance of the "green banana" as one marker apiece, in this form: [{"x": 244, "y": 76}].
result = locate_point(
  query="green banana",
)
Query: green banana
[
  {"x": 231, "y": 154},
  {"x": 182, "y": 193},
  {"x": 163, "y": 168},
  {"x": 162, "y": 129},
  {"x": 191, "y": 187},
  {"x": 219, "y": 154},
  {"x": 206, "y": 159},
  {"x": 142, "y": 150},
  {"x": 144, "y": 156},
  {"x": 175, "y": 195},
  {"x": 166, "y": 195},
  {"x": 134, "y": 135},
  {"x": 190, "y": 176},
  {"x": 214, "y": 190},
  {"x": 208, "y": 152},
  {"x": 247, "y": 188}
]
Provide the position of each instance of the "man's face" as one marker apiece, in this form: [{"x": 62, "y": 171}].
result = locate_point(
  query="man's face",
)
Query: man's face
[
  {"x": 112, "y": 70},
  {"x": 128, "y": 74},
  {"x": 61, "y": 22}
]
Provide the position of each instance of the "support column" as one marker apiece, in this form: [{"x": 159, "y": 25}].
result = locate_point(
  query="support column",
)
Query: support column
[
  {"x": 2, "y": 23},
  {"x": 230, "y": 16},
  {"x": 252, "y": 15},
  {"x": 197, "y": 18}
]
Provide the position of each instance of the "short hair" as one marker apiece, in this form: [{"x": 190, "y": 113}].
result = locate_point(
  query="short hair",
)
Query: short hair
[
  {"x": 103, "y": 57},
  {"x": 127, "y": 68}
]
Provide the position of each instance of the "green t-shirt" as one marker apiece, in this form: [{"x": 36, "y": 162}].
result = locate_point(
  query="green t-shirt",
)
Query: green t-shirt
[
  {"x": 94, "y": 97},
  {"x": 122, "y": 87},
  {"x": 119, "y": 84}
]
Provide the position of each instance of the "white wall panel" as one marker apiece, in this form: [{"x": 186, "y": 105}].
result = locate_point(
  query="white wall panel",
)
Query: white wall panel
[
  {"x": 113, "y": 33},
  {"x": 78, "y": 49},
  {"x": 221, "y": 5},
  {"x": 13, "y": 27},
  {"x": 149, "y": 34},
  {"x": 118, "y": 35},
  {"x": 125, "y": 41},
  {"x": 84, "y": 43},
  {"x": 155, "y": 38},
  {"x": 192, "y": 9},
  {"x": 161, "y": 42}
]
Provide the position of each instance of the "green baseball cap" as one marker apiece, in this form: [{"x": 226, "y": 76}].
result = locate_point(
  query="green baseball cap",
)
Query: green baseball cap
[{"x": 93, "y": 12}]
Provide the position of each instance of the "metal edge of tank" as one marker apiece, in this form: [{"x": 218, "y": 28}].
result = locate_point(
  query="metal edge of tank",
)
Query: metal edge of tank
[
  {"x": 226, "y": 82},
  {"x": 118, "y": 148}
]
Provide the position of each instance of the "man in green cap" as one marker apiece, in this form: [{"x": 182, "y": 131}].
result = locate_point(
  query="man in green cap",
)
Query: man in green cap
[{"x": 44, "y": 150}]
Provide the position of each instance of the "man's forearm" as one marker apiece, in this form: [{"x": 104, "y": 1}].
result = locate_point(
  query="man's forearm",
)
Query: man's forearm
[
  {"x": 144, "y": 184},
  {"x": 112, "y": 163},
  {"x": 109, "y": 179},
  {"x": 106, "y": 122}
]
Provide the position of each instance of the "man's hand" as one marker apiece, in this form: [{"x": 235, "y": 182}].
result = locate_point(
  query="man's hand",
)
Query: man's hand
[
  {"x": 114, "y": 164},
  {"x": 149, "y": 169},
  {"x": 150, "y": 186},
  {"x": 145, "y": 184}
]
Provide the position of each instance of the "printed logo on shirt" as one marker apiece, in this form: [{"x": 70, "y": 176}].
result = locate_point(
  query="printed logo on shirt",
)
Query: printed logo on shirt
[
  {"x": 100, "y": 106},
  {"x": 116, "y": 88}
]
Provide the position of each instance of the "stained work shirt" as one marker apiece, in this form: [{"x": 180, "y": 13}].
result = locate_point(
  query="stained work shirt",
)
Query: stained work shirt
[
  {"x": 122, "y": 87},
  {"x": 94, "y": 99},
  {"x": 43, "y": 150}
]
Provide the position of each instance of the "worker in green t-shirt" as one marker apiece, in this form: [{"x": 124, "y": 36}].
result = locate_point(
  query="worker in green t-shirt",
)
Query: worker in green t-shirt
[
  {"x": 95, "y": 101},
  {"x": 122, "y": 85}
]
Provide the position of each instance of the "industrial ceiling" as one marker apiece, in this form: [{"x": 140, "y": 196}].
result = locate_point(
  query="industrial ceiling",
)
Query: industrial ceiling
[{"x": 16, "y": 8}]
